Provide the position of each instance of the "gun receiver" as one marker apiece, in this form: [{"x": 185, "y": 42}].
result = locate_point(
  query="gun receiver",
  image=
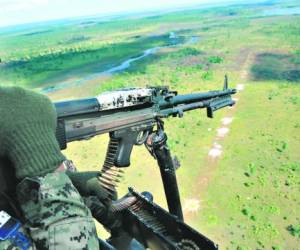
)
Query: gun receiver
[
  {"x": 133, "y": 116},
  {"x": 135, "y": 110}
]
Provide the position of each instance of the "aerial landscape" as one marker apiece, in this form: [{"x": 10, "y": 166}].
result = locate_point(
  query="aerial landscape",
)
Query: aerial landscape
[{"x": 240, "y": 172}]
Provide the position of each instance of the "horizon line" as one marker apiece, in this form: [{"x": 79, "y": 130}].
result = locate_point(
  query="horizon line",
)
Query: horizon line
[{"x": 128, "y": 13}]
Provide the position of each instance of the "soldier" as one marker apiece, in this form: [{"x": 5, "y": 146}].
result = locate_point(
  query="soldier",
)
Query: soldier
[{"x": 54, "y": 212}]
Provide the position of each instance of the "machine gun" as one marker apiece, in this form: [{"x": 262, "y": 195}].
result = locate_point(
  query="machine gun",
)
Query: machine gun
[{"x": 133, "y": 116}]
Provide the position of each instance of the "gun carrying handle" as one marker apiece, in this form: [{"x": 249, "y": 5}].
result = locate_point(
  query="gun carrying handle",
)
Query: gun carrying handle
[{"x": 126, "y": 140}]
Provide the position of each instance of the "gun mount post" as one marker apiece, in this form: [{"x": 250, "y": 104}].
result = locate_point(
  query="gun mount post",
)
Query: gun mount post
[{"x": 157, "y": 146}]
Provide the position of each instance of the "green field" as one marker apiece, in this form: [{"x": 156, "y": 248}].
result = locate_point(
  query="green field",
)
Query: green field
[{"x": 248, "y": 197}]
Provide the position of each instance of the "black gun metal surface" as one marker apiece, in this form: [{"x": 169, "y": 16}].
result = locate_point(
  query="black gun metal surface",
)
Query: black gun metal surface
[
  {"x": 157, "y": 143},
  {"x": 156, "y": 229}
]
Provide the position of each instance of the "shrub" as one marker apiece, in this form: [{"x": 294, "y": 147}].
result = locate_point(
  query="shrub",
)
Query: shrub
[
  {"x": 215, "y": 59},
  {"x": 294, "y": 230},
  {"x": 207, "y": 75}
]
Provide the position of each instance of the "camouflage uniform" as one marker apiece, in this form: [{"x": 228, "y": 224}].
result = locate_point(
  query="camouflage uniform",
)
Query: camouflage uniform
[{"x": 55, "y": 213}]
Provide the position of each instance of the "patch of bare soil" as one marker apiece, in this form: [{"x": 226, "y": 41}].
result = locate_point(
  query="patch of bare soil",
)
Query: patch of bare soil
[
  {"x": 191, "y": 205},
  {"x": 193, "y": 61},
  {"x": 239, "y": 61}
]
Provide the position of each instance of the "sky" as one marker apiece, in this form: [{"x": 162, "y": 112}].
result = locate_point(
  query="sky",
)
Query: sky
[{"x": 26, "y": 11}]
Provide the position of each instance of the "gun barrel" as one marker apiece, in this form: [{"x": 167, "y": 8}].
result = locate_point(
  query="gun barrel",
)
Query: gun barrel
[{"x": 190, "y": 98}]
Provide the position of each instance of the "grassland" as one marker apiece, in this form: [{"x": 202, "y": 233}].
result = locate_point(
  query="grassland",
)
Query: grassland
[{"x": 250, "y": 196}]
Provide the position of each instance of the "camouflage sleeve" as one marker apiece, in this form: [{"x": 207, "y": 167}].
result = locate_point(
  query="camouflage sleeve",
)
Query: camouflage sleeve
[{"x": 56, "y": 215}]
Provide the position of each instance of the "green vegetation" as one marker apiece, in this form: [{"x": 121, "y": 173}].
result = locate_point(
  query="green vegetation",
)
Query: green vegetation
[
  {"x": 294, "y": 230},
  {"x": 270, "y": 66},
  {"x": 249, "y": 198},
  {"x": 33, "y": 70},
  {"x": 262, "y": 170}
]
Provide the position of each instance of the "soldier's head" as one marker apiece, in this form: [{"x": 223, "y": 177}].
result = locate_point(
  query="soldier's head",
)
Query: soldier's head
[{"x": 27, "y": 131}]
